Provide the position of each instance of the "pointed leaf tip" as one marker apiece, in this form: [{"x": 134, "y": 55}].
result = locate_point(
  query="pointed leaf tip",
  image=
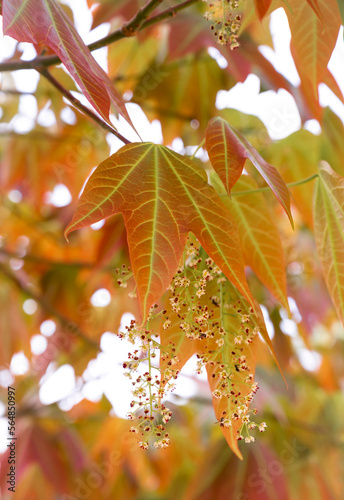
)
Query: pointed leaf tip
[
  {"x": 260, "y": 238},
  {"x": 162, "y": 196},
  {"x": 228, "y": 150},
  {"x": 43, "y": 22}
]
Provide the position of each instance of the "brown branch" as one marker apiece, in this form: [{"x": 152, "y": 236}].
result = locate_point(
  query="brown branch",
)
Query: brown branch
[
  {"x": 133, "y": 26},
  {"x": 73, "y": 100},
  {"x": 69, "y": 325},
  {"x": 123, "y": 32},
  {"x": 171, "y": 12}
]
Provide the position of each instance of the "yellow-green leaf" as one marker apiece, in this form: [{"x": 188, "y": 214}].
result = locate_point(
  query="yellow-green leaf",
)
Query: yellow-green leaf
[
  {"x": 260, "y": 239},
  {"x": 44, "y": 23},
  {"x": 329, "y": 232},
  {"x": 313, "y": 41}
]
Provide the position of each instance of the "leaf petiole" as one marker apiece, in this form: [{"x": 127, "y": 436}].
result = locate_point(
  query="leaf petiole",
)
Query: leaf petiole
[
  {"x": 198, "y": 148},
  {"x": 267, "y": 188}
]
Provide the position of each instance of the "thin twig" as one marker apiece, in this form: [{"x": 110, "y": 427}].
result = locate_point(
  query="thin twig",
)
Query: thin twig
[
  {"x": 69, "y": 325},
  {"x": 123, "y": 32},
  {"x": 267, "y": 188},
  {"x": 133, "y": 26},
  {"x": 171, "y": 12},
  {"x": 73, "y": 100},
  {"x": 15, "y": 92},
  {"x": 198, "y": 148}
]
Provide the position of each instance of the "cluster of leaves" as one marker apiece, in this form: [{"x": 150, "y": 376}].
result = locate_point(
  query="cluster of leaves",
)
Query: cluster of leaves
[{"x": 198, "y": 247}]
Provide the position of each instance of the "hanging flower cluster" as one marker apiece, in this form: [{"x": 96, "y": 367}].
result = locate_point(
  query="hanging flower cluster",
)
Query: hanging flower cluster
[
  {"x": 202, "y": 307},
  {"x": 225, "y": 21}
]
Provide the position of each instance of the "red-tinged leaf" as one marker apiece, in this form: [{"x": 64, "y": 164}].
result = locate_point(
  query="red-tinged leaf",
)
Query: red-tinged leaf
[
  {"x": 315, "y": 6},
  {"x": 43, "y": 22},
  {"x": 105, "y": 11},
  {"x": 187, "y": 36},
  {"x": 252, "y": 479},
  {"x": 228, "y": 151},
  {"x": 223, "y": 154},
  {"x": 262, "y": 6},
  {"x": 162, "y": 196},
  {"x": 329, "y": 232},
  {"x": 43, "y": 449},
  {"x": 73, "y": 448},
  {"x": 313, "y": 42}
]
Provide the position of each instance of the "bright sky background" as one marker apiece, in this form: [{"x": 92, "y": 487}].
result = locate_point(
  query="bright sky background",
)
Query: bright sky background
[{"x": 278, "y": 111}]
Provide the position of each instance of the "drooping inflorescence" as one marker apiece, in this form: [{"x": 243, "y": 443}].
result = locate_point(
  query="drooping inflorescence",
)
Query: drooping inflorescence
[
  {"x": 204, "y": 315},
  {"x": 225, "y": 21}
]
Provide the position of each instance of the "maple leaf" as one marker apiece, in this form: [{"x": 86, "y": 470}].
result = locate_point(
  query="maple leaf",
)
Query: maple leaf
[
  {"x": 296, "y": 157},
  {"x": 329, "y": 232},
  {"x": 162, "y": 196},
  {"x": 314, "y": 28},
  {"x": 260, "y": 239},
  {"x": 223, "y": 406},
  {"x": 184, "y": 348},
  {"x": 228, "y": 150},
  {"x": 43, "y": 22}
]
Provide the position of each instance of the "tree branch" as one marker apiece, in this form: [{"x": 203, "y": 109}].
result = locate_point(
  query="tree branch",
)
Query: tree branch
[
  {"x": 73, "y": 100},
  {"x": 69, "y": 325},
  {"x": 142, "y": 15},
  {"x": 123, "y": 32}
]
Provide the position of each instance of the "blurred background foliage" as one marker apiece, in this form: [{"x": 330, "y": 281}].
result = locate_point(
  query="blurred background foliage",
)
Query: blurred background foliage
[{"x": 80, "y": 449}]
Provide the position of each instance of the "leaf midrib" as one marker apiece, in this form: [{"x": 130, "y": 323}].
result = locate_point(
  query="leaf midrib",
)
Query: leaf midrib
[
  {"x": 155, "y": 212},
  {"x": 113, "y": 191},
  {"x": 331, "y": 212},
  {"x": 226, "y": 151},
  {"x": 18, "y": 14},
  {"x": 200, "y": 214},
  {"x": 240, "y": 212}
]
